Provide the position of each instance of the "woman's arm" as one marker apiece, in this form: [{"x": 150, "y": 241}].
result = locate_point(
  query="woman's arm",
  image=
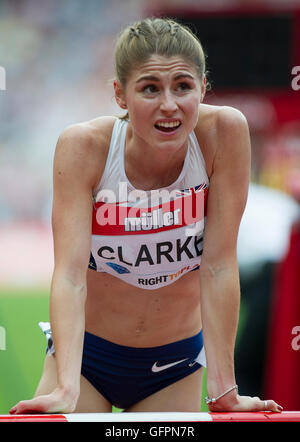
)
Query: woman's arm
[
  {"x": 75, "y": 174},
  {"x": 219, "y": 273}
]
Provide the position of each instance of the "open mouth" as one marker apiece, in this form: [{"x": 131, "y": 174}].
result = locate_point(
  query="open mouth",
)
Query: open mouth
[{"x": 167, "y": 126}]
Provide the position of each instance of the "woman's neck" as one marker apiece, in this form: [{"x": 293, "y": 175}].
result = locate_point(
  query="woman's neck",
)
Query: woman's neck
[{"x": 149, "y": 168}]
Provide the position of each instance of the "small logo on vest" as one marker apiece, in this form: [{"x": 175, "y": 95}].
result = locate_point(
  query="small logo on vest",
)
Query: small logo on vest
[
  {"x": 159, "y": 368},
  {"x": 117, "y": 267}
]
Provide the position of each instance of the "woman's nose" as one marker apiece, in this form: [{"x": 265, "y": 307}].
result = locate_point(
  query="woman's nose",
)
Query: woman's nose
[{"x": 168, "y": 103}]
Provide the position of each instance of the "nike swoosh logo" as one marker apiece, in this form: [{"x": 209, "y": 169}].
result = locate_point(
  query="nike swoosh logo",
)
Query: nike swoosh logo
[{"x": 156, "y": 369}]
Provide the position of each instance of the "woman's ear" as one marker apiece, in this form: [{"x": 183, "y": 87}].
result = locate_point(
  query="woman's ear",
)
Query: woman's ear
[{"x": 119, "y": 95}]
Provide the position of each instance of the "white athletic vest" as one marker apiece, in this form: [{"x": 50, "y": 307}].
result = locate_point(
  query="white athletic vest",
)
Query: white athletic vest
[{"x": 148, "y": 238}]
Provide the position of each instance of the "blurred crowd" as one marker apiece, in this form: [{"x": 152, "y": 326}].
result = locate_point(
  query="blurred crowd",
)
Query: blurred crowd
[{"x": 59, "y": 66}]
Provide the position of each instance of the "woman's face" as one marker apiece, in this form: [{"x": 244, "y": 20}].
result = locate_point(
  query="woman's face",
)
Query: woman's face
[{"x": 162, "y": 97}]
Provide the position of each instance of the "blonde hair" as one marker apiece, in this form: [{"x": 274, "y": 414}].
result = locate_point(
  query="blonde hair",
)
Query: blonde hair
[{"x": 160, "y": 36}]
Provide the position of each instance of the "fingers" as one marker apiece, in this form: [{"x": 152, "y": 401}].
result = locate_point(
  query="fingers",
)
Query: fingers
[
  {"x": 266, "y": 405},
  {"x": 270, "y": 405},
  {"x": 30, "y": 406},
  {"x": 50, "y": 403},
  {"x": 247, "y": 403}
]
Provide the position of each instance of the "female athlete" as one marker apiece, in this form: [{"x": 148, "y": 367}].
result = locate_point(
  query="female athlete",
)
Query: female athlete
[{"x": 146, "y": 213}]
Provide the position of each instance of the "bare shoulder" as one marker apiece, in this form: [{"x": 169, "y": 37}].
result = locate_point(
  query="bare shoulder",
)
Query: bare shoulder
[
  {"x": 83, "y": 148},
  {"x": 233, "y": 137},
  {"x": 219, "y": 119},
  {"x": 221, "y": 129},
  {"x": 230, "y": 116},
  {"x": 232, "y": 125},
  {"x": 89, "y": 135}
]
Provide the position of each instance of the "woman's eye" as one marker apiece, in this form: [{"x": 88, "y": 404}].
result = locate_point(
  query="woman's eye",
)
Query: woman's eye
[
  {"x": 150, "y": 89},
  {"x": 183, "y": 86}
]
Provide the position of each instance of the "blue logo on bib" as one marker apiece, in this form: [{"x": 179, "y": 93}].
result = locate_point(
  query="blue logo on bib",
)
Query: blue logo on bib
[{"x": 117, "y": 267}]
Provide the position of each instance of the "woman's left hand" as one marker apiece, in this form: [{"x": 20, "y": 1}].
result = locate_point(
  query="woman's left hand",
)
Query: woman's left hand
[{"x": 244, "y": 403}]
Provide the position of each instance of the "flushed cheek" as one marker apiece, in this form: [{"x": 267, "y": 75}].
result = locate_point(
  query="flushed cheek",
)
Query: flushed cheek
[
  {"x": 142, "y": 121},
  {"x": 190, "y": 117},
  {"x": 141, "y": 110},
  {"x": 143, "y": 125},
  {"x": 142, "y": 117},
  {"x": 194, "y": 106},
  {"x": 191, "y": 104}
]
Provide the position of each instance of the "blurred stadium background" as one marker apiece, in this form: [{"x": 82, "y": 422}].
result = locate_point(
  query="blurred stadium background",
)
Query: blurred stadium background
[{"x": 57, "y": 56}]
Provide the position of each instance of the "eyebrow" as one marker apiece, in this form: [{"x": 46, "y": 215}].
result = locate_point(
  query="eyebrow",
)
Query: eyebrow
[{"x": 153, "y": 78}]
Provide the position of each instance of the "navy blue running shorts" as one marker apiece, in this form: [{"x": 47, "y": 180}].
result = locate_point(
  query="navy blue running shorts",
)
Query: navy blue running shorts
[{"x": 126, "y": 375}]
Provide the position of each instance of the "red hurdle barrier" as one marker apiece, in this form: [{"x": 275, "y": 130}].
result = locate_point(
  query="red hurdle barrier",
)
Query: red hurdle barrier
[{"x": 287, "y": 416}]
